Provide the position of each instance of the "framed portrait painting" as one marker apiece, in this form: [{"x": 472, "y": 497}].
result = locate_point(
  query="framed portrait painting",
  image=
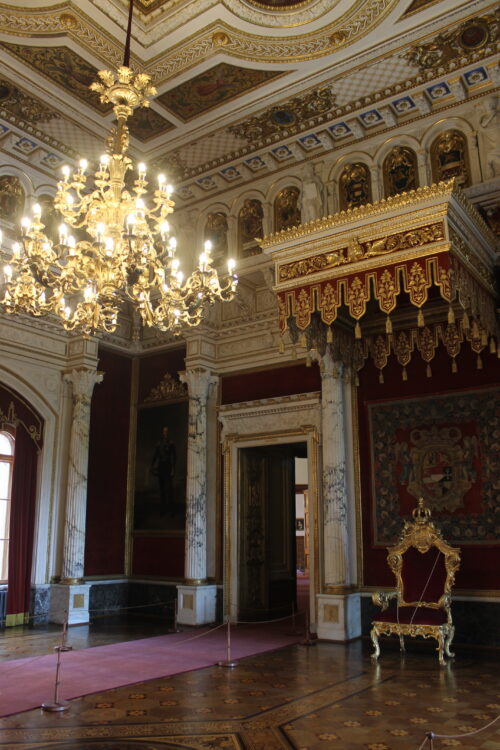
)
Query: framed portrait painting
[{"x": 160, "y": 467}]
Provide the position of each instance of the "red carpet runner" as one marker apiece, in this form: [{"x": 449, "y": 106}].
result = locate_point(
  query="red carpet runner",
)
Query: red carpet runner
[{"x": 27, "y": 683}]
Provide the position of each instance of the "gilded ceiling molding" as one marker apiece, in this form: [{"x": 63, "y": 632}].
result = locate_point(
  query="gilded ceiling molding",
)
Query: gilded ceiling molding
[
  {"x": 256, "y": 48},
  {"x": 283, "y": 15},
  {"x": 262, "y": 48},
  {"x": 61, "y": 19}
]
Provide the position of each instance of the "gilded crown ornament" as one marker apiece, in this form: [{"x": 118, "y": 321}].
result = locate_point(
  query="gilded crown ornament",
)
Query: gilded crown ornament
[{"x": 122, "y": 249}]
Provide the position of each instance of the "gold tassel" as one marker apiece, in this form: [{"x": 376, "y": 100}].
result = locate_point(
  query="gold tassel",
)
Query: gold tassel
[
  {"x": 303, "y": 340},
  {"x": 420, "y": 318},
  {"x": 281, "y": 347},
  {"x": 454, "y": 367},
  {"x": 356, "y": 379},
  {"x": 428, "y": 371},
  {"x": 465, "y": 322},
  {"x": 404, "y": 374},
  {"x": 498, "y": 351},
  {"x": 451, "y": 316},
  {"x": 484, "y": 338},
  {"x": 479, "y": 363},
  {"x": 308, "y": 361},
  {"x": 294, "y": 353},
  {"x": 493, "y": 347},
  {"x": 388, "y": 325},
  {"x": 474, "y": 330},
  {"x": 357, "y": 330},
  {"x": 329, "y": 335},
  {"x": 380, "y": 377}
]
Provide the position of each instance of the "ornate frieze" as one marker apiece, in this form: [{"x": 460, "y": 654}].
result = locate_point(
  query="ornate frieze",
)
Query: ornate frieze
[
  {"x": 355, "y": 250},
  {"x": 289, "y": 116},
  {"x": 475, "y": 34}
]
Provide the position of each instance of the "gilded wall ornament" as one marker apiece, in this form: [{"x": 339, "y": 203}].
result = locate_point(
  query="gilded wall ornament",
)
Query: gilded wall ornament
[
  {"x": 167, "y": 390},
  {"x": 216, "y": 232},
  {"x": 286, "y": 209},
  {"x": 470, "y": 36},
  {"x": 450, "y": 158},
  {"x": 12, "y": 198},
  {"x": 288, "y": 116},
  {"x": 250, "y": 227},
  {"x": 354, "y": 186},
  {"x": 400, "y": 171}
]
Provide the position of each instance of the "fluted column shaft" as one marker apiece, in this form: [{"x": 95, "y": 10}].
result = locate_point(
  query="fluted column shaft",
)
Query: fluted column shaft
[
  {"x": 83, "y": 382},
  {"x": 335, "y": 535},
  {"x": 195, "y": 566}
]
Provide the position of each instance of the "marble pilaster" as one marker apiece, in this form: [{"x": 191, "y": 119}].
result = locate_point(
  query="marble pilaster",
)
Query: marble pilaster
[
  {"x": 339, "y": 607},
  {"x": 201, "y": 597},
  {"x": 82, "y": 382}
]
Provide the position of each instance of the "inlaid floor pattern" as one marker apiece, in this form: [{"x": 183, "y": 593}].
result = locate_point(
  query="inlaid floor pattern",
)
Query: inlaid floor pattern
[{"x": 297, "y": 698}]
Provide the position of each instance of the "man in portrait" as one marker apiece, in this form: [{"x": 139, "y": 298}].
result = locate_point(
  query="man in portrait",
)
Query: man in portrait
[{"x": 163, "y": 466}]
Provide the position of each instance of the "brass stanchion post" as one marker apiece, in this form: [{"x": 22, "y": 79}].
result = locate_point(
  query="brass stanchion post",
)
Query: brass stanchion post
[
  {"x": 228, "y": 663},
  {"x": 56, "y": 704}
]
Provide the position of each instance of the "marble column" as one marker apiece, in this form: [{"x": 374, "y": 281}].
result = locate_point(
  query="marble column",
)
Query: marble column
[
  {"x": 339, "y": 607},
  {"x": 71, "y": 596},
  {"x": 197, "y": 599}
]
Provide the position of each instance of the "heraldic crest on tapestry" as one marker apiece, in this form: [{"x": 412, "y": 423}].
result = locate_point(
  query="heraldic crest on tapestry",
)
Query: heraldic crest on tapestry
[
  {"x": 439, "y": 465},
  {"x": 444, "y": 448}
]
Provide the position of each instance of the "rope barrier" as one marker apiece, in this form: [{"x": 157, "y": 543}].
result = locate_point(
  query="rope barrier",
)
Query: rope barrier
[
  {"x": 265, "y": 622},
  {"x": 433, "y": 736}
]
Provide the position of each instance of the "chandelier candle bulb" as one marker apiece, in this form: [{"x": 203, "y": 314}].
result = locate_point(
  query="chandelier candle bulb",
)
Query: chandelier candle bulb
[
  {"x": 141, "y": 168},
  {"x": 63, "y": 234},
  {"x": 25, "y": 225},
  {"x": 231, "y": 265}
]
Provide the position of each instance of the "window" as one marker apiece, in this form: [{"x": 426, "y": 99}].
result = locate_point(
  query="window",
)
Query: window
[{"x": 6, "y": 464}]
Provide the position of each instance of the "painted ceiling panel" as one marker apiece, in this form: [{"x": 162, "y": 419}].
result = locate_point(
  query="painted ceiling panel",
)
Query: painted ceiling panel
[
  {"x": 218, "y": 85},
  {"x": 64, "y": 67}
]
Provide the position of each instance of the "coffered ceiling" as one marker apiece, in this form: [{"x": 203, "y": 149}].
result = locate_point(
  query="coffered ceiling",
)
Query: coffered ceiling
[{"x": 241, "y": 83}]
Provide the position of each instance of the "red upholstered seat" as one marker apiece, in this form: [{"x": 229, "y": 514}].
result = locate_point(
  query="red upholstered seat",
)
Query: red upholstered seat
[
  {"x": 413, "y": 616},
  {"x": 424, "y": 567}
]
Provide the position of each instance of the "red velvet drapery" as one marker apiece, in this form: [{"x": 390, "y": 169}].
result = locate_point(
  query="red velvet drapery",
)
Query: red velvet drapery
[
  {"x": 22, "y": 523},
  {"x": 28, "y": 425}
]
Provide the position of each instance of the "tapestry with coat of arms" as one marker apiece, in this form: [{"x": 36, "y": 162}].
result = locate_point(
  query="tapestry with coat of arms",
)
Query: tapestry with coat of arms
[{"x": 445, "y": 449}]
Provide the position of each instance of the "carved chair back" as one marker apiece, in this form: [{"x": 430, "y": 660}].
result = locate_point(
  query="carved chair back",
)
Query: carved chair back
[{"x": 423, "y": 564}]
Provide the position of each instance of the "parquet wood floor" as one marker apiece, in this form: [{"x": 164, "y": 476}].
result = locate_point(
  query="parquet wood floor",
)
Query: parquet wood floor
[{"x": 297, "y": 698}]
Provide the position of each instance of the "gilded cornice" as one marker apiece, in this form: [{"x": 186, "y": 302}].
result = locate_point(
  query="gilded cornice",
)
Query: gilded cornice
[
  {"x": 441, "y": 190},
  {"x": 62, "y": 19}
]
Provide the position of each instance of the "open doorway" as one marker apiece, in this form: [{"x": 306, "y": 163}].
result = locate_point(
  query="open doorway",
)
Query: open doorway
[
  {"x": 268, "y": 533},
  {"x": 302, "y": 537}
]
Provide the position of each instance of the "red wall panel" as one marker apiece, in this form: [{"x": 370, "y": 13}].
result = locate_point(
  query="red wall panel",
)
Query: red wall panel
[
  {"x": 158, "y": 556},
  {"x": 108, "y": 460},
  {"x": 281, "y": 381}
]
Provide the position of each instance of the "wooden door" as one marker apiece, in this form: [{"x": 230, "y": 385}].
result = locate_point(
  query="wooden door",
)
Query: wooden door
[{"x": 266, "y": 534}]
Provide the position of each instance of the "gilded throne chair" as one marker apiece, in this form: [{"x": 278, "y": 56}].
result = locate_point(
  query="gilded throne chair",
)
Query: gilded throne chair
[{"x": 424, "y": 566}]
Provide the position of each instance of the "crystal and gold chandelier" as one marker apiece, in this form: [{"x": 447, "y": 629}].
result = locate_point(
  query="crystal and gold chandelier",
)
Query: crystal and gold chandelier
[{"x": 122, "y": 248}]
